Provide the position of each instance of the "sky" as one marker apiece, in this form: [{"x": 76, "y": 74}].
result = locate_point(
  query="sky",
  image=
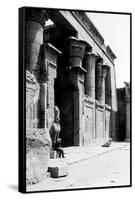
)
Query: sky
[{"x": 115, "y": 29}]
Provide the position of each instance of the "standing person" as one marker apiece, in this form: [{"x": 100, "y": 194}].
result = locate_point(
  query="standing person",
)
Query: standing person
[{"x": 54, "y": 133}]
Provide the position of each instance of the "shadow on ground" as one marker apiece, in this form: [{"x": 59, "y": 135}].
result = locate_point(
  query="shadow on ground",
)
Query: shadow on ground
[{"x": 13, "y": 187}]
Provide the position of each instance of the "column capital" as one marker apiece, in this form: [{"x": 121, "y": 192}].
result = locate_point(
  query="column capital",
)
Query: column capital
[
  {"x": 36, "y": 14},
  {"x": 75, "y": 47},
  {"x": 99, "y": 60},
  {"x": 89, "y": 54}
]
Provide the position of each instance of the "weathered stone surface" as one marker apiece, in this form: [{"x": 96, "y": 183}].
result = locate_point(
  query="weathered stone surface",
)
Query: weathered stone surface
[
  {"x": 58, "y": 168},
  {"x": 101, "y": 72},
  {"x": 38, "y": 144},
  {"x": 32, "y": 95},
  {"x": 124, "y": 112},
  {"x": 99, "y": 120},
  {"x": 53, "y": 154},
  {"x": 37, "y": 14},
  {"x": 89, "y": 122},
  {"x": 127, "y": 102},
  {"x": 51, "y": 55},
  {"x": 107, "y": 120},
  {"x": 89, "y": 65}
]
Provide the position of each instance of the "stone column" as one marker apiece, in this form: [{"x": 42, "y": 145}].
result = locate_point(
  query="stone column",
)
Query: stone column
[
  {"x": 89, "y": 123},
  {"x": 73, "y": 91},
  {"x": 38, "y": 141},
  {"x": 101, "y": 72},
  {"x": 89, "y": 61},
  {"x": 35, "y": 20},
  {"x": 108, "y": 93},
  {"x": 105, "y": 69},
  {"x": 108, "y": 104}
]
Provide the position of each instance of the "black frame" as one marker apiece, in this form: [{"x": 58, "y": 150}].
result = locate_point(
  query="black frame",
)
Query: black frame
[{"x": 22, "y": 103}]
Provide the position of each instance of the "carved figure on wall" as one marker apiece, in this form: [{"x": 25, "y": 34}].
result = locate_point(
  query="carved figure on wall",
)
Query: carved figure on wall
[
  {"x": 32, "y": 93},
  {"x": 54, "y": 133},
  {"x": 30, "y": 77}
]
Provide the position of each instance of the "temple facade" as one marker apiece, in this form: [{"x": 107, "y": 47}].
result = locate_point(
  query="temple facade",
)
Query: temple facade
[{"x": 72, "y": 69}]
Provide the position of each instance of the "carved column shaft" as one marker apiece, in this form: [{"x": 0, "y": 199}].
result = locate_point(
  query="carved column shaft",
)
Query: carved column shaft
[
  {"x": 89, "y": 61},
  {"x": 98, "y": 81},
  {"x": 74, "y": 91},
  {"x": 101, "y": 72},
  {"x": 108, "y": 88},
  {"x": 35, "y": 19}
]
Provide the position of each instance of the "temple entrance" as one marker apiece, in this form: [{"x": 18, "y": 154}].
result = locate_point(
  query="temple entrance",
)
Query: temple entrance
[
  {"x": 61, "y": 92},
  {"x": 64, "y": 99}
]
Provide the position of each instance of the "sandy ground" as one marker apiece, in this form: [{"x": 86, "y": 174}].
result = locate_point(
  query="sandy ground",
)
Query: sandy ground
[{"x": 109, "y": 169}]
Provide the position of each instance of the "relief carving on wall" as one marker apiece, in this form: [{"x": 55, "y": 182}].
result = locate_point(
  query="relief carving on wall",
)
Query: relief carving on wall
[{"x": 32, "y": 94}]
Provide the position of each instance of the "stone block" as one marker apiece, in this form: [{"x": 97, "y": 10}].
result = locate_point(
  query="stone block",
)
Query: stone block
[
  {"x": 58, "y": 168},
  {"x": 38, "y": 144},
  {"x": 53, "y": 154}
]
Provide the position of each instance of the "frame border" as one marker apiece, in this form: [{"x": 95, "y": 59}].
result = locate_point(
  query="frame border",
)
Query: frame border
[{"x": 22, "y": 103}]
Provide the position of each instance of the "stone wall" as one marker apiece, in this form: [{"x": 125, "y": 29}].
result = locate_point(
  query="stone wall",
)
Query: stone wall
[
  {"x": 128, "y": 109},
  {"x": 89, "y": 121},
  {"x": 32, "y": 97},
  {"x": 38, "y": 141},
  {"x": 99, "y": 121},
  {"x": 121, "y": 114},
  {"x": 107, "y": 121},
  {"x": 50, "y": 60},
  {"x": 124, "y": 112}
]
